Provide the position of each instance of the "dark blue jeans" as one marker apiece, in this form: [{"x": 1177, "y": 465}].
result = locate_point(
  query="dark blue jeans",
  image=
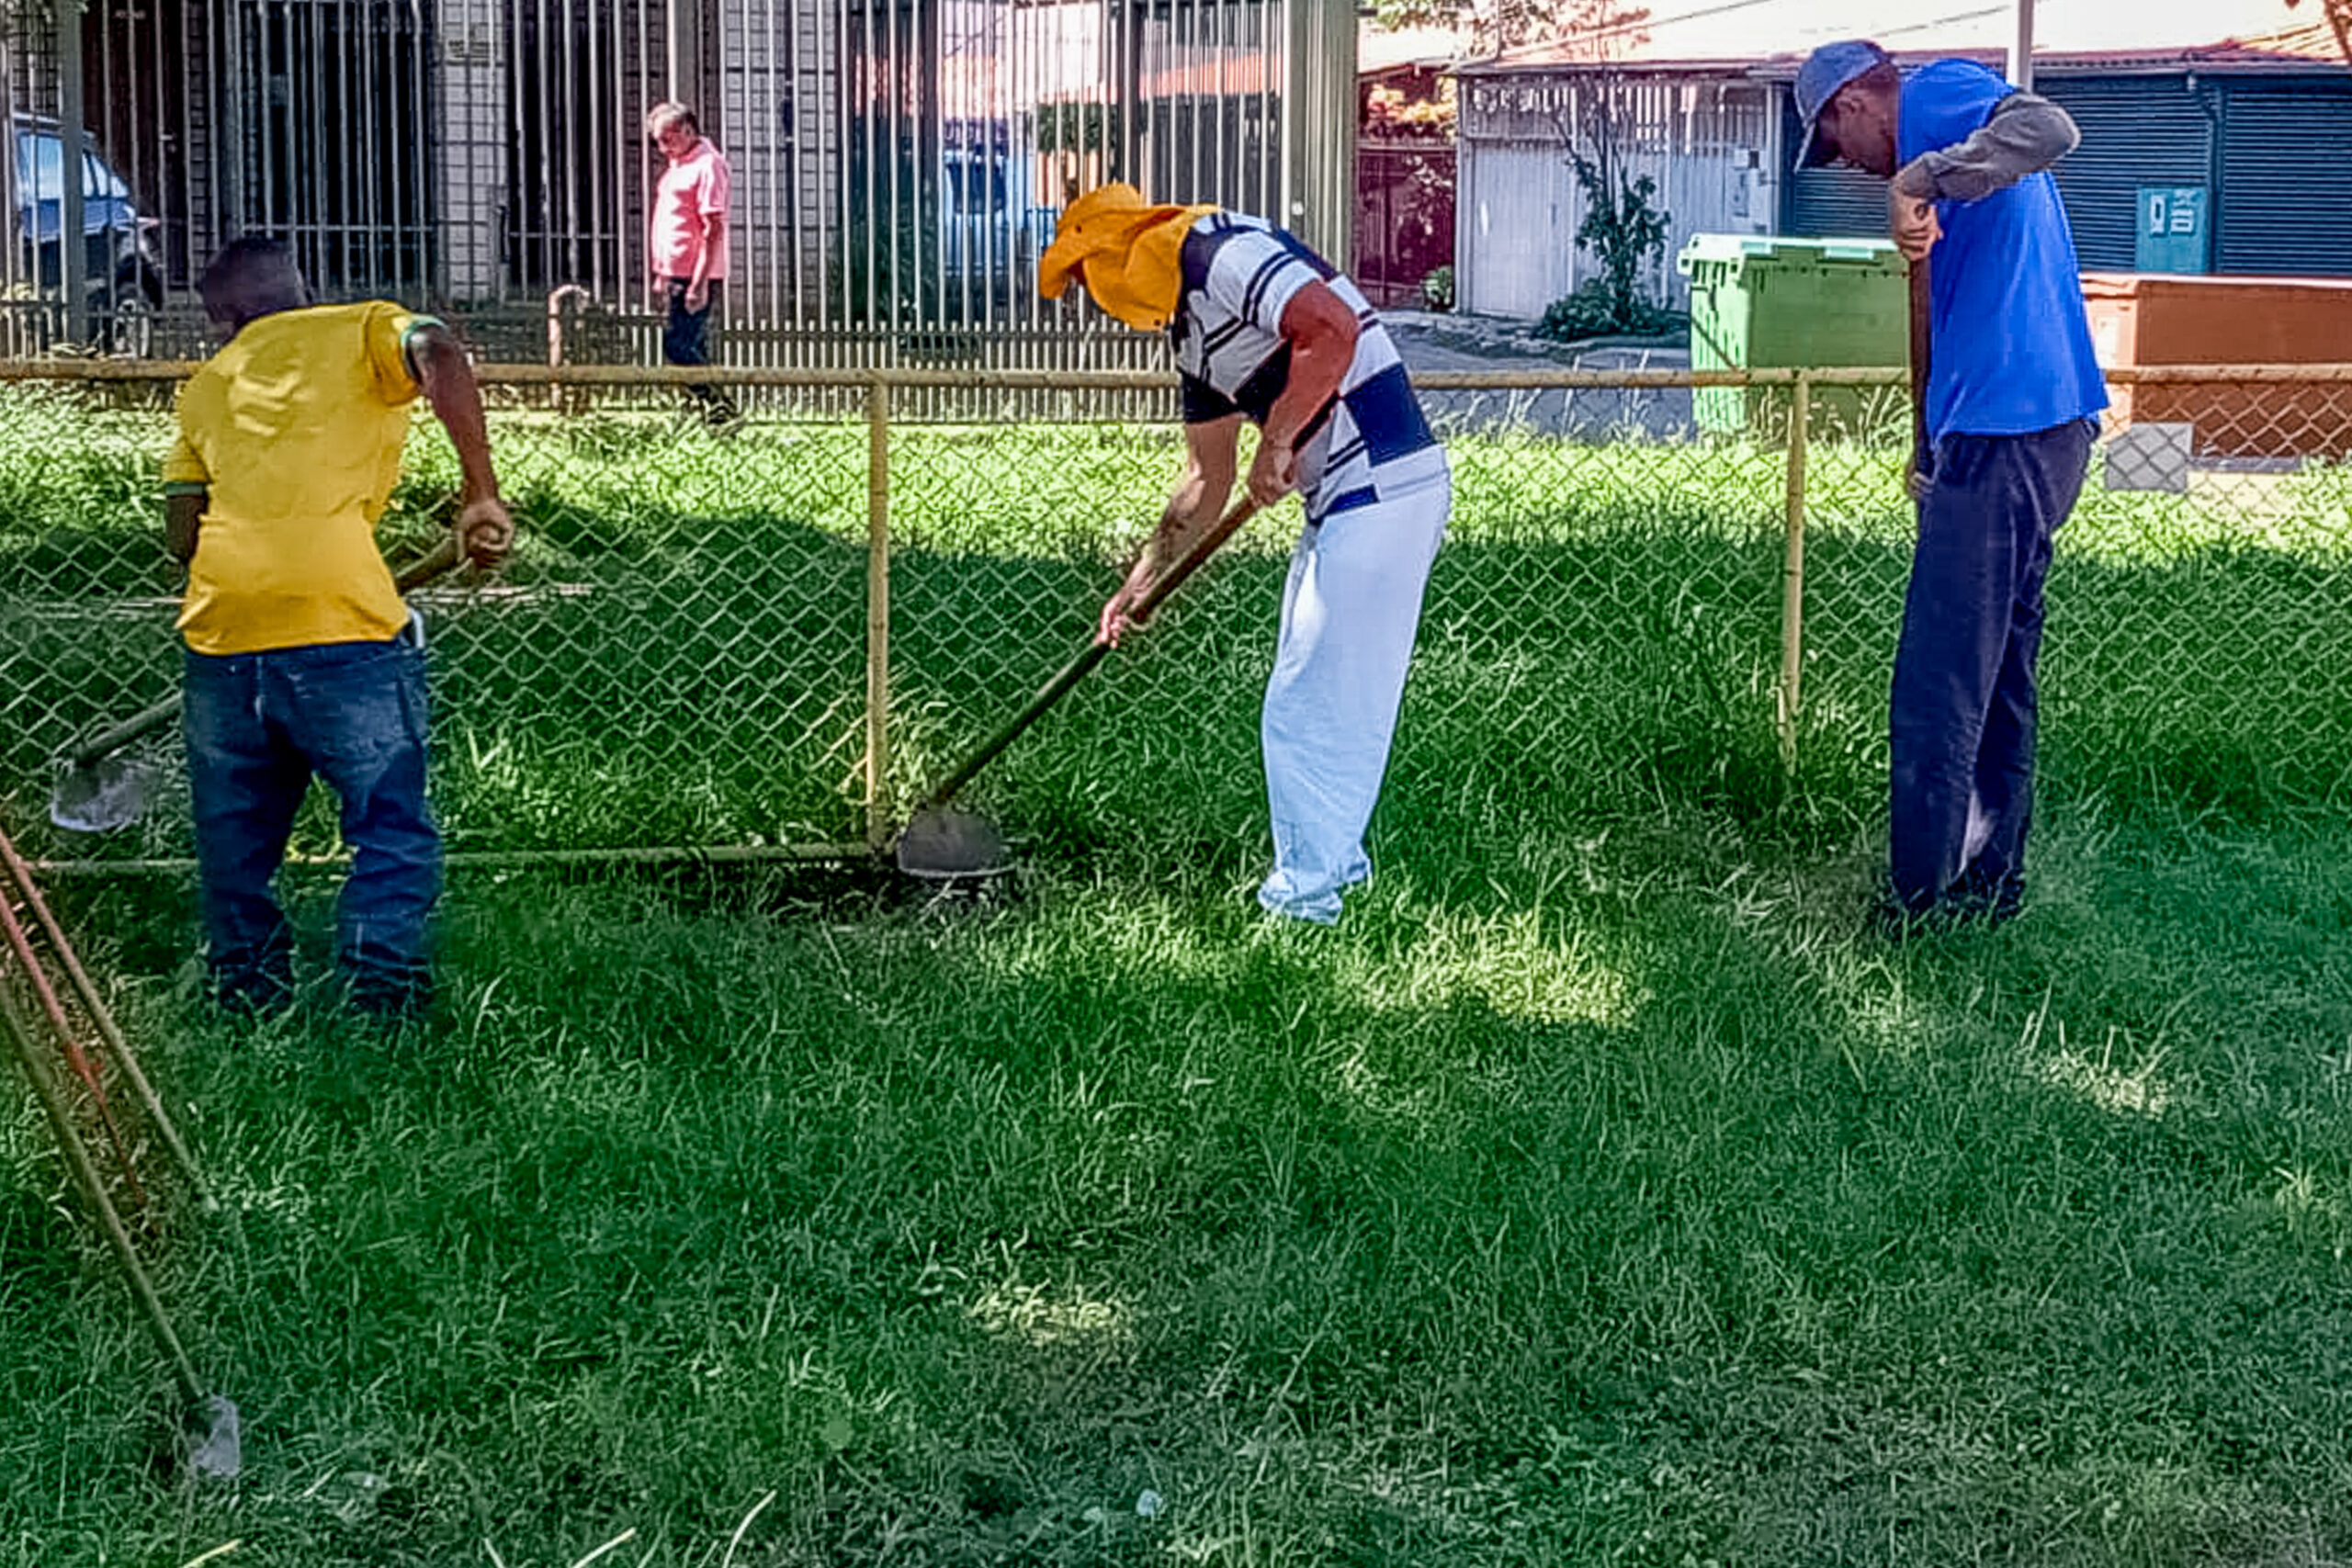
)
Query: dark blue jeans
[
  {"x": 1965, "y": 704},
  {"x": 685, "y": 340},
  {"x": 259, "y": 726}
]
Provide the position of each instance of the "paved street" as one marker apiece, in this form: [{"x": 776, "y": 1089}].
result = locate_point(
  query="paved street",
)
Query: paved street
[{"x": 1448, "y": 343}]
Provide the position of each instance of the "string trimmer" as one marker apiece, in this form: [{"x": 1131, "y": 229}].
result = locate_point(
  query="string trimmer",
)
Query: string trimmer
[
  {"x": 104, "y": 783},
  {"x": 939, "y": 841}
]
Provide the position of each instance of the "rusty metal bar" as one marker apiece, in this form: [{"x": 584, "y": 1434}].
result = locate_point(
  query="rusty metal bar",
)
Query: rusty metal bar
[
  {"x": 85, "y": 1170},
  {"x": 20, "y": 875}
]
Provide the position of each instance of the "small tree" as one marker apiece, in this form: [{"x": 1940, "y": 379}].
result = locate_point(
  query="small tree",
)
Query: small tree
[
  {"x": 1620, "y": 229},
  {"x": 1591, "y": 30},
  {"x": 1623, "y": 230}
]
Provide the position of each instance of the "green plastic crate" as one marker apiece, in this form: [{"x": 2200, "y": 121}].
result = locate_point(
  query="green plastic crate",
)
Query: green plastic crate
[{"x": 1768, "y": 302}]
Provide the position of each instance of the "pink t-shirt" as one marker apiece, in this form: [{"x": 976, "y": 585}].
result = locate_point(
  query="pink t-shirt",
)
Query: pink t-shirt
[{"x": 691, "y": 189}]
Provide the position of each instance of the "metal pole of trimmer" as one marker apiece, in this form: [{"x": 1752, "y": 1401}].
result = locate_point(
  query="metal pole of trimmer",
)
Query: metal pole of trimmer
[
  {"x": 97, "y": 793},
  {"x": 940, "y": 843}
]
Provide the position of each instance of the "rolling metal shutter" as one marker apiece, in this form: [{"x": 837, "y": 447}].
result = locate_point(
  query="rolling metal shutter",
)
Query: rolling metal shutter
[
  {"x": 2137, "y": 131},
  {"x": 1828, "y": 203},
  {"x": 2286, "y": 198},
  {"x": 1836, "y": 204}
]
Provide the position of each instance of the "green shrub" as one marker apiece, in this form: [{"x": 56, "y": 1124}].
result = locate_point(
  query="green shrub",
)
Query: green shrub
[
  {"x": 1593, "y": 312},
  {"x": 1620, "y": 228},
  {"x": 1437, "y": 288}
]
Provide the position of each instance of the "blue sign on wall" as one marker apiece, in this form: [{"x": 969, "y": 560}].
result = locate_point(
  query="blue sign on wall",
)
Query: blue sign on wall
[{"x": 2174, "y": 232}]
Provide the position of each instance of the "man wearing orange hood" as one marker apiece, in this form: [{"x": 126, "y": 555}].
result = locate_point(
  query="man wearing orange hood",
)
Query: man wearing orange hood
[{"x": 1269, "y": 333}]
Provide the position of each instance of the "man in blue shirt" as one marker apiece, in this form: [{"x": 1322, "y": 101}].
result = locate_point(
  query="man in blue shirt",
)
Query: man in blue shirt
[{"x": 2013, "y": 395}]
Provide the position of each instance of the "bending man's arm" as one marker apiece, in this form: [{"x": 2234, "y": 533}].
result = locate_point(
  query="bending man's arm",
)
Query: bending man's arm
[
  {"x": 447, "y": 378},
  {"x": 1321, "y": 333},
  {"x": 1193, "y": 507},
  {"x": 2024, "y": 135}
]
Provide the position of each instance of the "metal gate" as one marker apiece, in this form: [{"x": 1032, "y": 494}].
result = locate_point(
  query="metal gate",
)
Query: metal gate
[
  {"x": 1403, "y": 218},
  {"x": 897, "y": 164},
  {"x": 319, "y": 102},
  {"x": 1706, "y": 140}
]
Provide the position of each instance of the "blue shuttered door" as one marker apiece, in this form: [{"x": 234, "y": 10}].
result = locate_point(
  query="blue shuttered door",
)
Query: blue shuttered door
[
  {"x": 2285, "y": 203},
  {"x": 2137, "y": 131},
  {"x": 2284, "y": 200},
  {"x": 1836, "y": 204}
]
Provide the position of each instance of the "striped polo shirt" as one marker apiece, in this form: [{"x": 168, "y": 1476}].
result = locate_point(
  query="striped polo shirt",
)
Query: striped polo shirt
[{"x": 1371, "y": 441}]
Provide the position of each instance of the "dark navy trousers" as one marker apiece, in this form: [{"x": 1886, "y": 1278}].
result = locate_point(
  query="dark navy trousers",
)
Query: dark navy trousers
[
  {"x": 1963, "y": 715},
  {"x": 685, "y": 340}
]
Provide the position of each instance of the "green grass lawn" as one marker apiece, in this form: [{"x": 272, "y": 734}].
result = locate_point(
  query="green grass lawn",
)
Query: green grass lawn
[{"x": 1596, "y": 1193}]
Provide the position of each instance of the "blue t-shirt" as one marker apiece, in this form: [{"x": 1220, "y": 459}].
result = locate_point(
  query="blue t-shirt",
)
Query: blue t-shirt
[{"x": 2011, "y": 349}]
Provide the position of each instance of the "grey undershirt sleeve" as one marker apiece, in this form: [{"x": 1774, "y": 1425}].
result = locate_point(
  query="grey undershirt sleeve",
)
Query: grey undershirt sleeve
[{"x": 2024, "y": 135}]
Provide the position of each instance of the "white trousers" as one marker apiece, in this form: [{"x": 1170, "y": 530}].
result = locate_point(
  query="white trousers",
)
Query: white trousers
[{"x": 1351, "y": 608}]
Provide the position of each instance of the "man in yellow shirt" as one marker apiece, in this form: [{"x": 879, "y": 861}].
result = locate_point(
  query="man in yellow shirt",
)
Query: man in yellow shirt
[{"x": 301, "y": 657}]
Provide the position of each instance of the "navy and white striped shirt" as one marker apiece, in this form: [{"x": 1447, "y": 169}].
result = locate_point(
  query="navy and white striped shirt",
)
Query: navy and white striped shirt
[{"x": 1240, "y": 273}]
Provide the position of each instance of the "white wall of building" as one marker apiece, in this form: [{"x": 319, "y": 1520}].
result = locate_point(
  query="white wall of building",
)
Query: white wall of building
[
  {"x": 471, "y": 172},
  {"x": 1712, "y": 145}
]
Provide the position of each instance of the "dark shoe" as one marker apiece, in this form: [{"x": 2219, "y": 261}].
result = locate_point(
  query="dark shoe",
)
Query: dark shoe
[
  {"x": 1891, "y": 921},
  {"x": 258, "y": 997},
  {"x": 391, "y": 1004},
  {"x": 1994, "y": 901},
  {"x": 258, "y": 987},
  {"x": 387, "y": 993}
]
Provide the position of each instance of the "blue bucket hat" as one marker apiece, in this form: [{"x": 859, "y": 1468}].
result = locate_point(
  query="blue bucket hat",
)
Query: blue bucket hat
[{"x": 1824, "y": 73}]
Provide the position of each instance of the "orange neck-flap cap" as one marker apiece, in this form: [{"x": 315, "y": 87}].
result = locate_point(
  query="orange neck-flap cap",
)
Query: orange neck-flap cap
[{"x": 1131, "y": 252}]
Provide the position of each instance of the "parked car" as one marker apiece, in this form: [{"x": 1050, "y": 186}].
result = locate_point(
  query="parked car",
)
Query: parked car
[
  {"x": 121, "y": 256},
  {"x": 983, "y": 202}
]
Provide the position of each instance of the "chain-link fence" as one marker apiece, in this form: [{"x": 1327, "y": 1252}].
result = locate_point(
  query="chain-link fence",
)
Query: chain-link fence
[{"x": 760, "y": 645}]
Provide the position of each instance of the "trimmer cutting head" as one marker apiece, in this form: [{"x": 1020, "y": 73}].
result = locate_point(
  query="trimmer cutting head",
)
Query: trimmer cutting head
[
  {"x": 102, "y": 794},
  {"x": 215, "y": 1440},
  {"x": 950, "y": 845},
  {"x": 946, "y": 844}
]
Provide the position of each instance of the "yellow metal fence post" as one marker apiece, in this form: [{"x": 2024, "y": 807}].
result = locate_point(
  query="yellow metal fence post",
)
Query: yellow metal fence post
[
  {"x": 877, "y": 614},
  {"x": 1793, "y": 578}
]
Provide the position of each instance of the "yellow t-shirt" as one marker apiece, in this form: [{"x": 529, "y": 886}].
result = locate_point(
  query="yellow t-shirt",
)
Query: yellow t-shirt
[{"x": 295, "y": 430}]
